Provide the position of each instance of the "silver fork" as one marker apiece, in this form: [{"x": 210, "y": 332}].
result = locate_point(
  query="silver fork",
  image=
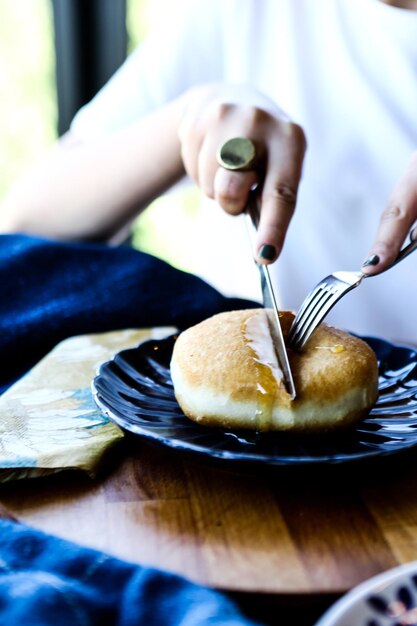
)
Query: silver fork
[{"x": 327, "y": 293}]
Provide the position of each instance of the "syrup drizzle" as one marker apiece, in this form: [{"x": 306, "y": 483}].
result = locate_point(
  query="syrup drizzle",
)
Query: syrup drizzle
[
  {"x": 335, "y": 349},
  {"x": 268, "y": 375}
]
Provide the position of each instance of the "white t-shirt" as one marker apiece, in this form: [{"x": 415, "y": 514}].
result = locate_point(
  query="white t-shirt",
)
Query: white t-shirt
[{"x": 343, "y": 69}]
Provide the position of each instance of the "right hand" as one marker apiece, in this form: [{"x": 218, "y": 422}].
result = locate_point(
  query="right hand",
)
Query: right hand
[{"x": 216, "y": 113}]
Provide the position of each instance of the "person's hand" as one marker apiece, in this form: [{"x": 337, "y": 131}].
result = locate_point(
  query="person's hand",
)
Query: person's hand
[
  {"x": 396, "y": 221},
  {"x": 215, "y": 114}
]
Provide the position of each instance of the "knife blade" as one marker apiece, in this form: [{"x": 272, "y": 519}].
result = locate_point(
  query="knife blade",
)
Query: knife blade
[{"x": 269, "y": 302}]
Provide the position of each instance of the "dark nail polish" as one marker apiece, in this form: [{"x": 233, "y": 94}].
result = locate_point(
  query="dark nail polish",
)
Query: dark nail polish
[
  {"x": 267, "y": 252},
  {"x": 371, "y": 260}
]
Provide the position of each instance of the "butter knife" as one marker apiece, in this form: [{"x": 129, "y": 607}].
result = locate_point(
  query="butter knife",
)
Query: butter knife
[{"x": 269, "y": 302}]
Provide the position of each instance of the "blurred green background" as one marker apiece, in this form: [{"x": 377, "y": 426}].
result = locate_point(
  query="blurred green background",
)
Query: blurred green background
[
  {"x": 27, "y": 85},
  {"x": 28, "y": 111}
]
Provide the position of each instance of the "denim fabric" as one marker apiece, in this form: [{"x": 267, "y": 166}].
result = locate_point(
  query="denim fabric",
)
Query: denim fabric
[
  {"x": 51, "y": 291},
  {"x": 48, "y": 581}
]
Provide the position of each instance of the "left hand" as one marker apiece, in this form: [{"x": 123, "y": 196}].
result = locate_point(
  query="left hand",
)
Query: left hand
[{"x": 396, "y": 221}]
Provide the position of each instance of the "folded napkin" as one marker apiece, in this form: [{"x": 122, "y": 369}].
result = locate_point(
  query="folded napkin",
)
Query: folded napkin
[
  {"x": 49, "y": 421},
  {"x": 51, "y": 291},
  {"x": 48, "y": 581}
]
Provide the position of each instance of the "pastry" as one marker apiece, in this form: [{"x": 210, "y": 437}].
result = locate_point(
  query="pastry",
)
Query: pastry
[{"x": 226, "y": 374}]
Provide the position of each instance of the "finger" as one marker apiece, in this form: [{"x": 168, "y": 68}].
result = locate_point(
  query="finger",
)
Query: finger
[
  {"x": 231, "y": 189},
  {"x": 189, "y": 155},
  {"x": 207, "y": 165},
  {"x": 200, "y": 135},
  {"x": 395, "y": 222},
  {"x": 279, "y": 194}
]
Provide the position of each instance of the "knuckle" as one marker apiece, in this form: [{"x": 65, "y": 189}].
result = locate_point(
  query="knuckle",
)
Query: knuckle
[
  {"x": 256, "y": 117},
  {"x": 221, "y": 110},
  {"x": 394, "y": 212},
  {"x": 285, "y": 194},
  {"x": 258, "y": 122}
]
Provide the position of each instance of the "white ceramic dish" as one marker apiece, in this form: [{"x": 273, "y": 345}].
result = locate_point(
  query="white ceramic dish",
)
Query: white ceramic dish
[{"x": 388, "y": 599}]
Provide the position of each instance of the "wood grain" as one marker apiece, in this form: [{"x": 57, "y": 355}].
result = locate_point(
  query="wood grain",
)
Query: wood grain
[{"x": 276, "y": 535}]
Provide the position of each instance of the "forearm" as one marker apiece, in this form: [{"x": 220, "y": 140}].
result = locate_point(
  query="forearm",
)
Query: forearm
[{"x": 90, "y": 190}]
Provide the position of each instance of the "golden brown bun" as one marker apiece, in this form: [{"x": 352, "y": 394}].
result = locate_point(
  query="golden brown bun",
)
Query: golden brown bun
[{"x": 225, "y": 374}]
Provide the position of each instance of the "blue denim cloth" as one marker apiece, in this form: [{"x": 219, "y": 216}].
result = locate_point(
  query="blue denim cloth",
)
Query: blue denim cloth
[
  {"x": 48, "y": 581},
  {"x": 51, "y": 291}
]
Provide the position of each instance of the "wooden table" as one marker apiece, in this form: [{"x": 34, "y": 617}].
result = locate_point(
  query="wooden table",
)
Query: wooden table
[{"x": 281, "y": 538}]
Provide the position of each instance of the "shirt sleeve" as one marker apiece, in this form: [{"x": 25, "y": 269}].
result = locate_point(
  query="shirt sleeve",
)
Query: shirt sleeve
[{"x": 183, "y": 50}]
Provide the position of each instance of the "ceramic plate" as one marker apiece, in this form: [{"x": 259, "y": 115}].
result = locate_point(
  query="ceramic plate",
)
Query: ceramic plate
[
  {"x": 389, "y": 599},
  {"x": 135, "y": 391}
]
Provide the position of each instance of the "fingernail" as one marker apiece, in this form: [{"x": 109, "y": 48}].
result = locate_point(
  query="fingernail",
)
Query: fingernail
[
  {"x": 371, "y": 260},
  {"x": 267, "y": 252}
]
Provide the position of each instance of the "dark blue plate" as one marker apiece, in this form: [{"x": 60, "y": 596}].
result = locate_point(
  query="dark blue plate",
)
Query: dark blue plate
[{"x": 135, "y": 391}]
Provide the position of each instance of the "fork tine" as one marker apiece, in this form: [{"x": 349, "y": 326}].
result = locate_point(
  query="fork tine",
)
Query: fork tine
[
  {"x": 312, "y": 323},
  {"x": 315, "y": 307},
  {"x": 315, "y": 304},
  {"x": 310, "y": 302},
  {"x": 318, "y": 303},
  {"x": 303, "y": 324},
  {"x": 315, "y": 293},
  {"x": 314, "y": 318}
]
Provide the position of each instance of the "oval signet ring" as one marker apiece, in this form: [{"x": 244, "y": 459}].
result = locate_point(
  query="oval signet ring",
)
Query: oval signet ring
[{"x": 237, "y": 154}]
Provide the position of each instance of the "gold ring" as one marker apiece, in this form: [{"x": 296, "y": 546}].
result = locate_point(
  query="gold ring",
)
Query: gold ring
[{"x": 237, "y": 154}]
